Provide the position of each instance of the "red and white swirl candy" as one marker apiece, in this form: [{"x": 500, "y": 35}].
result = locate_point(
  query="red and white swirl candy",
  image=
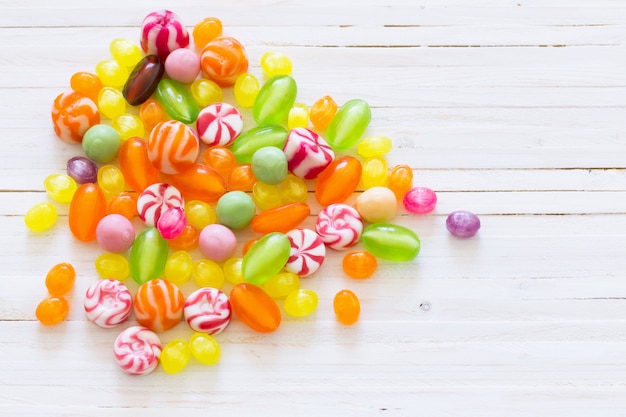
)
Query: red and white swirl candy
[
  {"x": 219, "y": 124},
  {"x": 162, "y": 31},
  {"x": 108, "y": 303},
  {"x": 307, "y": 153},
  {"x": 339, "y": 225},
  {"x": 137, "y": 350},
  {"x": 207, "y": 310},
  {"x": 155, "y": 200},
  {"x": 307, "y": 252}
]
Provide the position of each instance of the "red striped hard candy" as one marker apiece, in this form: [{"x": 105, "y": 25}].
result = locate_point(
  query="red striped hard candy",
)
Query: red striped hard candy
[
  {"x": 207, "y": 310},
  {"x": 307, "y": 252},
  {"x": 219, "y": 124},
  {"x": 339, "y": 225},
  {"x": 307, "y": 153},
  {"x": 155, "y": 200}
]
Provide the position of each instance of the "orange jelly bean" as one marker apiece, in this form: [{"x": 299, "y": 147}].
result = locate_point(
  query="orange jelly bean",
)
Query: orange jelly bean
[
  {"x": 124, "y": 203},
  {"x": 151, "y": 113},
  {"x": 200, "y": 182},
  {"x": 187, "y": 240},
  {"x": 322, "y": 112},
  {"x": 88, "y": 206},
  {"x": 254, "y": 307},
  {"x": 52, "y": 310},
  {"x": 280, "y": 219},
  {"x": 359, "y": 264},
  {"x": 87, "y": 84},
  {"x": 207, "y": 29},
  {"x": 400, "y": 180},
  {"x": 242, "y": 178},
  {"x": 60, "y": 279},
  {"x": 338, "y": 181},
  {"x": 347, "y": 307},
  {"x": 135, "y": 164},
  {"x": 220, "y": 159}
]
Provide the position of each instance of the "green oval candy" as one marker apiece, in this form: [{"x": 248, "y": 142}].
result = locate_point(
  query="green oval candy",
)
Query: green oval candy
[
  {"x": 101, "y": 143},
  {"x": 265, "y": 258},
  {"x": 348, "y": 124},
  {"x": 177, "y": 101},
  {"x": 256, "y": 138},
  {"x": 391, "y": 242},
  {"x": 235, "y": 209},
  {"x": 148, "y": 255},
  {"x": 274, "y": 100}
]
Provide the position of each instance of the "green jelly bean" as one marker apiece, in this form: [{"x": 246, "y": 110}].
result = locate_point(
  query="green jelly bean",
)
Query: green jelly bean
[
  {"x": 148, "y": 255},
  {"x": 274, "y": 100},
  {"x": 391, "y": 242},
  {"x": 177, "y": 101},
  {"x": 266, "y": 258},
  {"x": 101, "y": 143},
  {"x": 256, "y": 138},
  {"x": 235, "y": 209},
  {"x": 348, "y": 124},
  {"x": 269, "y": 165}
]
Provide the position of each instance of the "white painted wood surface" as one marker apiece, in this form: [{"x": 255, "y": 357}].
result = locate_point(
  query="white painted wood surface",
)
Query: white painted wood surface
[{"x": 515, "y": 110}]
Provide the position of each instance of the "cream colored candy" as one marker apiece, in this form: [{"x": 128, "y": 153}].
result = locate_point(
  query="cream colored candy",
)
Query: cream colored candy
[{"x": 376, "y": 204}]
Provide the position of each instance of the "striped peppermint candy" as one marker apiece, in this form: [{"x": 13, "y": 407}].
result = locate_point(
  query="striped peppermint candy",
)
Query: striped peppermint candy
[
  {"x": 172, "y": 146},
  {"x": 137, "y": 350},
  {"x": 339, "y": 225},
  {"x": 158, "y": 305},
  {"x": 207, "y": 310},
  {"x": 162, "y": 31},
  {"x": 219, "y": 124},
  {"x": 108, "y": 303},
  {"x": 307, "y": 252},
  {"x": 155, "y": 200},
  {"x": 307, "y": 153}
]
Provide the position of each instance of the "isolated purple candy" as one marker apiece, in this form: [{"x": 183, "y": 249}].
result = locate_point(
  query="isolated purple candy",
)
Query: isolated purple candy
[{"x": 462, "y": 223}]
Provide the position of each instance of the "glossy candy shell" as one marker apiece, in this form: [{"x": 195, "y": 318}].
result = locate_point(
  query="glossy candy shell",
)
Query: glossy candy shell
[
  {"x": 144, "y": 79},
  {"x": 391, "y": 242},
  {"x": 255, "y": 308}
]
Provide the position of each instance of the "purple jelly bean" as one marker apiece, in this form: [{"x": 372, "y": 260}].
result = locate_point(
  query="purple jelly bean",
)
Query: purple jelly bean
[
  {"x": 420, "y": 200},
  {"x": 462, "y": 223},
  {"x": 82, "y": 169}
]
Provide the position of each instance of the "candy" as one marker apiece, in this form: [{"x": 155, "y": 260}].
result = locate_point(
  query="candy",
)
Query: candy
[
  {"x": 151, "y": 113},
  {"x": 339, "y": 226},
  {"x": 391, "y": 242},
  {"x": 266, "y": 258},
  {"x": 111, "y": 102},
  {"x": 111, "y": 73},
  {"x": 101, "y": 143},
  {"x": 269, "y": 165},
  {"x": 72, "y": 114},
  {"x": 200, "y": 214},
  {"x": 377, "y": 204},
  {"x": 235, "y": 209},
  {"x": 158, "y": 305},
  {"x": 155, "y": 199},
  {"x": 220, "y": 159},
  {"x": 359, "y": 264},
  {"x": 187, "y": 240},
  {"x": 87, "y": 208},
  {"x": 60, "y": 279},
  {"x": 207, "y": 310},
  {"x": 246, "y": 89},
  {"x": 137, "y": 168},
  {"x": 274, "y": 100},
  {"x": 374, "y": 146},
  {"x": 219, "y": 124},
  {"x": 307, "y": 252},
  {"x": 143, "y": 80},
  {"x": 182, "y": 65},
  {"x": 205, "y": 92},
  {"x": 267, "y": 196},
  {"x": 282, "y": 284},
  {"x": 347, "y": 307},
  {"x": 175, "y": 355},
  {"x": 52, "y": 310},
  {"x": 462, "y": 223},
  {"x": 338, "y": 181},
  {"x": 148, "y": 255},
  {"x": 124, "y": 51},
  {"x": 256, "y": 138},
  {"x": 217, "y": 242},
  {"x": 200, "y": 182},
  {"x": 172, "y": 222},
  {"x": 172, "y": 146},
  {"x": 420, "y": 200},
  {"x": 41, "y": 217},
  {"x": 207, "y": 273},
  {"x": 82, "y": 170},
  {"x": 115, "y": 233},
  {"x": 298, "y": 116},
  {"x": 177, "y": 101},
  {"x": 178, "y": 267},
  {"x": 241, "y": 178},
  {"x": 86, "y": 84},
  {"x": 400, "y": 180},
  {"x": 204, "y": 348},
  {"x": 137, "y": 350},
  {"x": 301, "y": 303},
  {"x": 322, "y": 112},
  {"x": 348, "y": 124},
  {"x": 254, "y": 308},
  {"x": 128, "y": 125},
  {"x": 111, "y": 180},
  {"x": 374, "y": 173},
  {"x": 223, "y": 59},
  {"x": 232, "y": 271},
  {"x": 293, "y": 189},
  {"x": 113, "y": 266},
  {"x": 162, "y": 32},
  {"x": 205, "y": 30},
  {"x": 108, "y": 303},
  {"x": 281, "y": 219},
  {"x": 124, "y": 203},
  {"x": 307, "y": 153}
]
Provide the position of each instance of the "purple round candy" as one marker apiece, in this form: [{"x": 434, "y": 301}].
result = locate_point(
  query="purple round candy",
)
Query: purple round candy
[
  {"x": 462, "y": 223},
  {"x": 217, "y": 242},
  {"x": 82, "y": 169},
  {"x": 115, "y": 233},
  {"x": 420, "y": 200}
]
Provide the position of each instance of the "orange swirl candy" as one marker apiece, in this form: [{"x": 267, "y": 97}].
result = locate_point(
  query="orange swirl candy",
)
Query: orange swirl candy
[
  {"x": 172, "y": 146},
  {"x": 223, "y": 59},
  {"x": 159, "y": 305},
  {"x": 72, "y": 114}
]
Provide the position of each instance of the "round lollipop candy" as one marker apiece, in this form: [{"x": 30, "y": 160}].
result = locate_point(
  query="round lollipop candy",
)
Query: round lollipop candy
[
  {"x": 219, "y": 124},
  {"x": 108, "y": 303},
  {"x": 339, "y": 225},
  {"x": 155, "y": 200},
  {"x": 137, "y": 350},
  {"x": 307, "y": 153},
  {"x": 207, "y": 310},
  {"x": 307, "y": 252}
]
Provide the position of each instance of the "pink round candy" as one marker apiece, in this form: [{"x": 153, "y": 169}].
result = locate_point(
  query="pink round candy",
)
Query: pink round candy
[
  {"x": 339, "y": 226},
  {"x": 115, "y": 233},
  {"x": 217, "y": 242},
  {"x": 307, "y": 252},
  {"x": 182, "y": 65},
  {"x": 137, "y": 350},
  {"x": 207, "y": 310},
  {"x": 307, "y": 153},
  {"x": 172, "y": 222},
  {"x": 155, "y": 199},
  {"x": 420, "y": 200},
  {"x": 162, "y": 32},
  {"x": 108, "y": 303},
  {"x": 219, "y": 124}
]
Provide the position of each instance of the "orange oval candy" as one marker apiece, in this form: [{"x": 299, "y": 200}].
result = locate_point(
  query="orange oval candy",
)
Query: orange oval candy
[
  {"x": 359, "y": 264},
  {"x": 281, "y": 219},
  {"x": 124, "y": 203},
  {"x": 220, "y": 159},
  {"x": 347, "y": 307},
  {"x": 254, "y": 307},
  {"x": 338, "y": 181},
  {"x": 151, "y": 113},
  {"x": 400, "y": 180},
  {"x": 60, "y": 279},
  {"x": 200, "y": 182},
  {"x": 187, "y": 240},
  {"x": 87, "y": 208},
  {"x": 135, "y": 165},
  {"x": 322, "y": 112},
  {"x": 241, "y": 178},
  {"x": 223, "y": 59},
  {"x": 52, "y": 310}
]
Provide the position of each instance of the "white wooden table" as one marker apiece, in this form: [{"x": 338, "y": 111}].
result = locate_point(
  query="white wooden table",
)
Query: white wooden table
[{"x": 515, "y": 110}]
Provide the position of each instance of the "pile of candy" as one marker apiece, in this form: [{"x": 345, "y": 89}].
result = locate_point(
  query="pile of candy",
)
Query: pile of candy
[{"x": 194, "y": 177}]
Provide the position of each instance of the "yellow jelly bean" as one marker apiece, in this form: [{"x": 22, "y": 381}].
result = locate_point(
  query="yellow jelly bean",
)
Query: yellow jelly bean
[
  {"x": 41, "y": 217},
  {"x": 60, "y": 187},
  {"x": 111, "y": 180},
  {"x": 175, "y": 356},
  {"x": 246, "y": 89},
  {"x": 266, "y": 196},
  {"x": 111, "y": 73},
  {"x": 125, "y": 52},
  {"x": 374, "y": 146},
  {"x": 204, "y": 348},
  {"x": 298, "y": 116},
  {"x": 275, "y": 63},
  {"x": 200, "y": 214},
  {"x": 178, "y": 267},
  {"x": 301, "y": 303},
  {"x": 232, "y": 271},
  {"x": 293, "y": 189},
  {"x": 113, "y": 266},
  {"x": 374, "y": 173},
  {"x": 207, "y": 273},
  {"x": 129, "y": 126},
  {"x": 282, "y": 284},
  {"x": 111, "y": 102},
  {"x": 205, "y": 92}
]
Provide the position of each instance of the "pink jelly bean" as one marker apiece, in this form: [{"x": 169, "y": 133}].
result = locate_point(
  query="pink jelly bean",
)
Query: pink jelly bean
[
  {"x": 307, "y": 252},
  {"x": 207, "y": 310},
  {"x": 219, "y": 124},
  {"x": 172, "y": 222},
  {"x": 115, "y": 233},
  {"x": 307, "y": 153},
  {"x": 162, "y": 32},
  {"x": 420, "y": 200},
  {"x": 108, "y": 303},
  {"x": 182, "y": 65},
  {"x": 339, "y": 226},
  {"x": 137, "y": 350},
  {"x": 155, "y": 199},
  {"x": 217, "y": 242}
]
